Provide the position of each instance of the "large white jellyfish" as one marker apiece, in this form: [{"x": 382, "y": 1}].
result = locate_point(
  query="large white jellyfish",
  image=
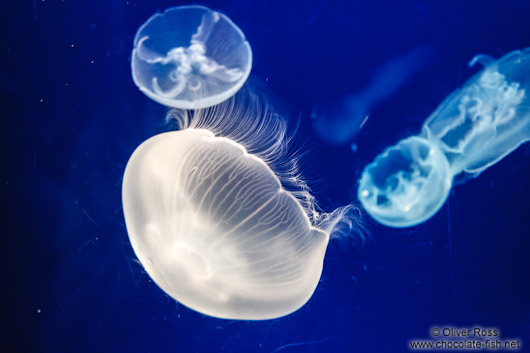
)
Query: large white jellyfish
[
  {"x": 190, "y": 57},
  {"x": 211, "y": 222},
  {"x": 471, "y": 130}
]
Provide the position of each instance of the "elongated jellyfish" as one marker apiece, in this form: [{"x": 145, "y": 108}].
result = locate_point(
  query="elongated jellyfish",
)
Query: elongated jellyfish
[
  {"x": 474, "y": 128},
  {"x": 342, "y": 123},
  {"x": 190, "y": 57},
  {"x": 213, "y": 224}
]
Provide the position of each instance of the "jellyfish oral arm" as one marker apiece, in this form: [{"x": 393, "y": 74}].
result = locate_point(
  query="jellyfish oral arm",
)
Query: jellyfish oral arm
[{"x": 187, "y": 61}]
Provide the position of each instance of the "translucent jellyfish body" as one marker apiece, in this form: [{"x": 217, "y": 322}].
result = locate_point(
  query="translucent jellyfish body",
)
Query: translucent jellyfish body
[
  {"x": 471, "y": 130},
  {"x": 190, "y": 57},
  {"x": 342, "y": 123},
  {"x": 213, "y": 226}
]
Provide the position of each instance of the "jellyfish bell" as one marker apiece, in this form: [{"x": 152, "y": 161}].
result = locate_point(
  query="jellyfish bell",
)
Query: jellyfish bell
[
  {"x": 211, "y": 222},
  {"x": 488, "y": 118},
  {"x": 474, "y": 128},
  {"x": 190, "y": 57},
  {"x": 406, "y": 184}
]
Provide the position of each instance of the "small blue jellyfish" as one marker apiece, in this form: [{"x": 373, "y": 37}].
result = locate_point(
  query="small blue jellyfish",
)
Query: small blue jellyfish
[
  {"x": 211, "y": 222},
  {"x": 190, "y": 57},
  {"x": 471, "y": 130}
]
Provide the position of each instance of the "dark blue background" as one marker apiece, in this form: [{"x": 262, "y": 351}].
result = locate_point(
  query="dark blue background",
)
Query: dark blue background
[{"x": 72, "y": 117}]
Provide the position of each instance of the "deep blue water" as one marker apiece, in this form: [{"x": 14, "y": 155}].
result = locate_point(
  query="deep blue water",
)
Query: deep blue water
[{"x": 72, "y": 117}]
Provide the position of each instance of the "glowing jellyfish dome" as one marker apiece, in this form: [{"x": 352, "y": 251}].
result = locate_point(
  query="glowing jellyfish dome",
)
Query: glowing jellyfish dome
[
  {"x": 190, "y": 57},
  {"x": 210, "y": 221},
  {"x": 474, "y": 128}
]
